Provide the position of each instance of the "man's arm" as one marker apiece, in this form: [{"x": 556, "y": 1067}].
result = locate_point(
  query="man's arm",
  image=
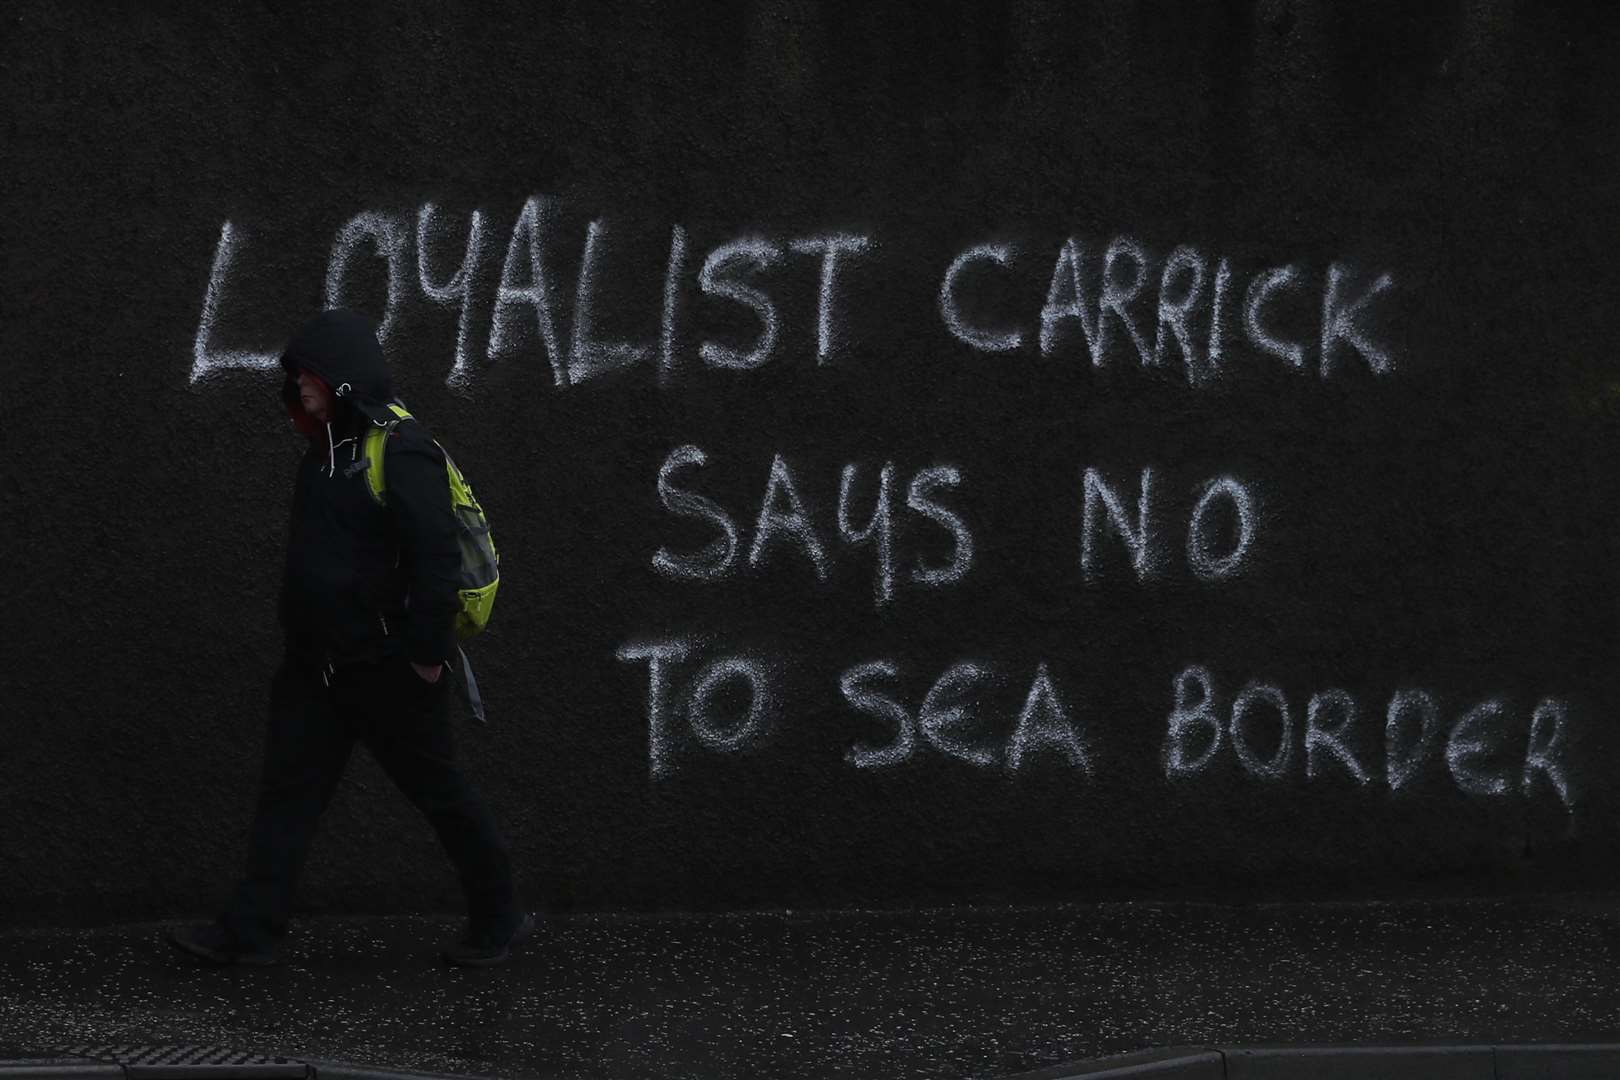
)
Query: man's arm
[
  {"x": 284, "y": 609},
  {"x": 419, "y": 499}
]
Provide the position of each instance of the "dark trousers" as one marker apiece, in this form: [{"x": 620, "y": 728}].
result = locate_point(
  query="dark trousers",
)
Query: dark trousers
[{"x": 405, "y": 723}]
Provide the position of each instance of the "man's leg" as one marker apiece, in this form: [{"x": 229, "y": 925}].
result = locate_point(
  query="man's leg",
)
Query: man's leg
[
  {"x": 408, "y": 732},
  {"x": 306, "y": 751}
]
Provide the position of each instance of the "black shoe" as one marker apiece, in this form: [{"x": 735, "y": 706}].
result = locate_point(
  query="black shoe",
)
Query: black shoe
[
  {"x": 215, "y": 944},
  {"x": 480, "y": 948}
]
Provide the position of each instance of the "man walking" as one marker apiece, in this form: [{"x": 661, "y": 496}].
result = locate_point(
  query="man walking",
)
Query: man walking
[{"x": 367, "y": 606}]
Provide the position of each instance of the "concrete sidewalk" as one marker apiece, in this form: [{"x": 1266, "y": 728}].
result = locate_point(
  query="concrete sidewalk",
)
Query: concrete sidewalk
[{"x": 979, "y": 992}]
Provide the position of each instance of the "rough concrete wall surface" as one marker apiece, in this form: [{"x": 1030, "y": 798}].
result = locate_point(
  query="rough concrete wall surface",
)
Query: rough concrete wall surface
[{"x": 937, "y": 451}]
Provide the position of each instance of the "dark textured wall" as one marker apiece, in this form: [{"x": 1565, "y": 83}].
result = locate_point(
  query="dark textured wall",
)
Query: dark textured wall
[{"x": 1362, "y": 268}]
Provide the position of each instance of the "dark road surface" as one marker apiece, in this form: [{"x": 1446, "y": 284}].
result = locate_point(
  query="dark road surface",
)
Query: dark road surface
[{"x": 945, "y": 993}]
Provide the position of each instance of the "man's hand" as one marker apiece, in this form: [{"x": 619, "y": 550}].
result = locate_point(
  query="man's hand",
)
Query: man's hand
[{"x": 429, "y": 674}]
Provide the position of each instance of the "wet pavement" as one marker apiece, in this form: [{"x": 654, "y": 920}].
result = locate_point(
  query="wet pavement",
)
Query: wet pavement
[{"x": 977, "y": 992}]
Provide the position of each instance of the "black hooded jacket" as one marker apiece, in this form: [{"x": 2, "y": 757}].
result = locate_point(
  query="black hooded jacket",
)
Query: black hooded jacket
[{"x": 364, "y": 581}]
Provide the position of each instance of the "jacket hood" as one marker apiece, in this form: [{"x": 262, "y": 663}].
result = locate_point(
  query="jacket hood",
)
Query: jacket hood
[{"x": 341, "y": 349}]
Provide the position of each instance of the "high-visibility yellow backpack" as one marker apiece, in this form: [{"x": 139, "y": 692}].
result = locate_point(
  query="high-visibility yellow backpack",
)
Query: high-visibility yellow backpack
[{"x": 480, "y": 562}]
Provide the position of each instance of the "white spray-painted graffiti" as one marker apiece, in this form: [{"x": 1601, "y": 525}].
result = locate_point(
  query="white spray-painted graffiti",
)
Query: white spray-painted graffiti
[
  {"x": 953, "y": 721},
  {"x": 1118, "y": 304},
  {"x": 1105, "y": 510},
  {"x": 1185, "y": 287},
  {"x": 785, "y": 525},
  {"x": 388, "y": 235},
  {"x": 1260, "y": 725},
  {"x": 697, "y": 705},
  {"x": 1045, "y": 725},
  {"x": 1197, "y": 730},
  {"x": 457, "y": 291},
  {"x": 206, "y": 356},
  {"x": 1108, "y": 296}
]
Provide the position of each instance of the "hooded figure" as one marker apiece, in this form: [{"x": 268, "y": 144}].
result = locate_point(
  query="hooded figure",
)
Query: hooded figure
[
  {"x": 364, "y": 582},
  {"x": 368, "y": 606}
]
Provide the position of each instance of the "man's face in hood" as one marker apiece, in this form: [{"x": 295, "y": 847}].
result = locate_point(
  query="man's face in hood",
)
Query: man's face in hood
[
  {"x": 333, "y": 362},
  {"x": 316, "y": 397}
]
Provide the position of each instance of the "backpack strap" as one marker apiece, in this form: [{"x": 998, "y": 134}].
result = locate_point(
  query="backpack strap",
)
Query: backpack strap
[
  {"x": 469, "y": 689},
  {"x": 375, "y": 449}
]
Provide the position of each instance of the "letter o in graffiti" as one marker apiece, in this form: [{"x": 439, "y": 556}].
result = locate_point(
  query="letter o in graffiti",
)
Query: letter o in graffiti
[
  {"x": 722, "y": 737},
  {"x": 1242, "y": 705},
  {"x": 388, "y": 235},
  {"x": 1206, "y": 565}
]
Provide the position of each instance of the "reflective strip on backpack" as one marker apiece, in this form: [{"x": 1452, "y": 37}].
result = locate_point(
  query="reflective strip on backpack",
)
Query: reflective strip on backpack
[{"x": 375, "y": 448}]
